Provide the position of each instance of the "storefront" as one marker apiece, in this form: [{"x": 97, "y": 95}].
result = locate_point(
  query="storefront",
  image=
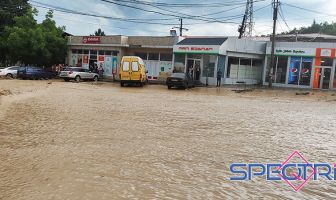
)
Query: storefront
[
  {"x": 107, "y": 51},
  {"x": 303, "y": 65},
  {"x": 203, "y": 57}
]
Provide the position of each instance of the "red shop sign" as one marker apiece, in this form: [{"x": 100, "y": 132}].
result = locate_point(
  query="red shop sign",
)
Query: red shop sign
[
  {"x": 91, "y": 40},
  {"x": 101, "y": 58}
]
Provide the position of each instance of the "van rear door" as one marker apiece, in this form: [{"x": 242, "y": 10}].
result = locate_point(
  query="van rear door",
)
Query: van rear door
[
  {"x": 136, "y": 71},
  {"x": 125, "y": 70}
]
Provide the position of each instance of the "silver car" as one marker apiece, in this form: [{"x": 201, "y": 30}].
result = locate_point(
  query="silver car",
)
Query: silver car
[
  {"x": 10, "y": 72},
  {"x": 78, "y": 74}
]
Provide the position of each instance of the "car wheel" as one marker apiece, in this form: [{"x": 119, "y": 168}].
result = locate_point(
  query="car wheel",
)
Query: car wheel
[
  {"x": 95, "y": 78},
  {"x": 78, "y": 78},
  {"x": 9, "y": 75}
]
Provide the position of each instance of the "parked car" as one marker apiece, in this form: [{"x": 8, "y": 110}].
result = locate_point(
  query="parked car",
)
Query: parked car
[
  {"x": 132, "y": 71},
  {"x": 30, "y": 72},
  {"x": 179, "y": 80},
  {"x": 10, "y": 72},
  {"x": 78, "y": 74}
]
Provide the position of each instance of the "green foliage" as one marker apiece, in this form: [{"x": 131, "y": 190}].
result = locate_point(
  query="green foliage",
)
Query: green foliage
[
  {"x": 323, "y": 28},
  {"x": 99, "y": 32},
  {"x": 9, "y": 9},
  {"x": 33, "y": 43}
]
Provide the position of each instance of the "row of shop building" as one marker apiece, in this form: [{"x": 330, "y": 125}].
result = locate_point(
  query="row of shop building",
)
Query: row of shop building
[{"x": 297, "y": 64}]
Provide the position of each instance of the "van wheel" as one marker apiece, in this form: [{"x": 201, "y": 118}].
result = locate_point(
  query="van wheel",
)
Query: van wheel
[
  {"x": 9, "y": 75},
  {"x": 78, "y": 78}
]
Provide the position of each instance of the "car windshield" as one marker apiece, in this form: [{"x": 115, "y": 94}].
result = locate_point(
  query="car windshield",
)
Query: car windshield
[{"x": 178, "y": 75}]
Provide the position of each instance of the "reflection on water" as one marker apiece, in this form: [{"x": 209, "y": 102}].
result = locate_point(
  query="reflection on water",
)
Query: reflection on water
[{"x": 84, "y": 141}]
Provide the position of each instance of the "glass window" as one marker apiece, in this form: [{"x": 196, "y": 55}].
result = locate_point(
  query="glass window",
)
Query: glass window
[
  {"x": 327, "y": 62},
  {"x": 179, "y": 63},
  {"x": 126, "y": 66},
  {"x": 221, "y": 64},
  {"x": 80, "y": 51},
  {"x": 141, "y": 55},
  {"x": 153, "y": 56},
  {"x": 74, "y": 51},
  {"x": 294, "y": 70},
  {"x": 166, "y": 57},
  {"x": 85, "y": 51},
  {"x": 101, "y": 53},
  {"x": 281, "y": 69},
  {"x": 232, "y": 71},
  {"x": 209, "y": 63},
  {"x": 306, "y": 69},
  {"x": 335, "y": 77},
  {"x": 115, "y": 53},
  {"x": 93, "y": 52},
  {"x": 195, "y": 56},
  {"x": 108, "y": 53},
  {"x": 135, "y": 66}
]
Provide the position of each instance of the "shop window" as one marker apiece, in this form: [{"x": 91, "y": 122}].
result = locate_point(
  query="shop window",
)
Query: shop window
[
  {"x": 281, "y": 69},
  {"x": 141, "y": 55},
  {"x": 166, "y": 57},
  {"x": 93, "y": 52},
  {"x": 74, "y": 51},
  {"x": 179, "y": 63},
  {"x": 256, "y": 72},
  {"x": 108, "y": 53},
  {"x": 101, "y": 52},
  {"x": 80, "y": 51},
  {"x": 335, "y": 78},
  {"x": 195, "y": 56},
  {"x": 221, "y": 64},
  {"x": 209, "y": 63},
  {"x": 115, "y": 53},
  {"x": 232, "y": 70},
  {"x": 294, "y": 70},
  {"x": 85, "y": 51},
  {"x": 327, "y": 62},
  {"x": 153, "y": 56},
  {"x": 306, "y": 71}
]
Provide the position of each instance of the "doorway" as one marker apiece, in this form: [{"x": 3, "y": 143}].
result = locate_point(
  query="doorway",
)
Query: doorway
[
  {"x": 194, "y": 68},
  {"x": 325, "y": 78}
]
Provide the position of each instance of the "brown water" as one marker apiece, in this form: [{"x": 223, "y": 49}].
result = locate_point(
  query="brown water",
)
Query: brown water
[{"x": 89, "y": 141}]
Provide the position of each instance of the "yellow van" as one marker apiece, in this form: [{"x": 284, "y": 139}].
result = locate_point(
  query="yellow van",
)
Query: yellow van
[{"x": 132, "y": 71}]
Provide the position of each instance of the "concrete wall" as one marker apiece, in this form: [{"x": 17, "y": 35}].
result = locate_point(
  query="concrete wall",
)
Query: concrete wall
[{"x": 152, "y": 41}]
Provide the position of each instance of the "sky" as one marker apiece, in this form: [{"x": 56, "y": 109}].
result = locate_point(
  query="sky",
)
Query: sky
[{"x": 201, "y": 18}]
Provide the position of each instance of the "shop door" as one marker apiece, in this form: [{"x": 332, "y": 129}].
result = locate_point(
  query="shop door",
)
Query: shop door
[
  {"x": 326, "y": 78},
  {"x": 194, "y": 68}
]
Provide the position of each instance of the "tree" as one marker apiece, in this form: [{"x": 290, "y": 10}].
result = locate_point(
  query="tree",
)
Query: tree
[
  {"x": 99, "y": 32},
  {"x": 322, "y": 28},
  {"x": 9, "y": 9},
  {"x": 33, "y": 43}
]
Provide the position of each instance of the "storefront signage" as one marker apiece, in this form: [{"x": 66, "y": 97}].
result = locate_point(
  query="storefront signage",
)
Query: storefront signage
[
  {"x": 326, "y": 52},
  {"x": 197, "y": 49},
  {"x": 91, "y": 40},
  {"x": 101, "y": 58},
  {"x": 283, "y": 51}
]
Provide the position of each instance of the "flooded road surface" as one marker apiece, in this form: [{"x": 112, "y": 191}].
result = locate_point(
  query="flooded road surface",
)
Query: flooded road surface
[{"x": 100, "y": 141}]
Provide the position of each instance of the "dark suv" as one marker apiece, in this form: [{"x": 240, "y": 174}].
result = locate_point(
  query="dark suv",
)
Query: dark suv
[{"x": 29, "y": 72}]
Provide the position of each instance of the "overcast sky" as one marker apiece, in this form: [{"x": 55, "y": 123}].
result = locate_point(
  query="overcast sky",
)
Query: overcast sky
[{"x": 85, "y": 25}]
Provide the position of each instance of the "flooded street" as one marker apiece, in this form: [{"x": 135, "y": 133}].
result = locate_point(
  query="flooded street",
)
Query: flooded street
[{"x": 99, "y": 141}]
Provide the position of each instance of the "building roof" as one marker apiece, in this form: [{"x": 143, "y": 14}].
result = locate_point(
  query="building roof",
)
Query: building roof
[{"x": 203, "y": 41}]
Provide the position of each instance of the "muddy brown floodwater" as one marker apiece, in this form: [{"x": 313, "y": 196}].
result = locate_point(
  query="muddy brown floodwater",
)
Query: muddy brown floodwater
[{"x": 99, "y": 141}]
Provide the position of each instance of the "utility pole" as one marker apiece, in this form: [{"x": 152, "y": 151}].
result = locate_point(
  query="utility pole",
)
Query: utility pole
[
  {"x": 181, "y": 27},
  {"x": 276, "y": 4}
]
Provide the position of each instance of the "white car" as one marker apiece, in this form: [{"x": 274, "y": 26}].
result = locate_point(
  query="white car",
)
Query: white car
[
  {"x": 78, "y": 74},
  {"x": 10, "y": 72}
]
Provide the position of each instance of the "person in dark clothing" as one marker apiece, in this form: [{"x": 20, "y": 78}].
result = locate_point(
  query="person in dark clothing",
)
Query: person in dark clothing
[{"x": 219, "y": 78}]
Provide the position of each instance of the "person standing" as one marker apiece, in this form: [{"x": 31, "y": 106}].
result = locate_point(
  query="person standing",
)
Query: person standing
[
  {"x": 100, "y": 70},
  {"x": 219, "y": 78}
]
